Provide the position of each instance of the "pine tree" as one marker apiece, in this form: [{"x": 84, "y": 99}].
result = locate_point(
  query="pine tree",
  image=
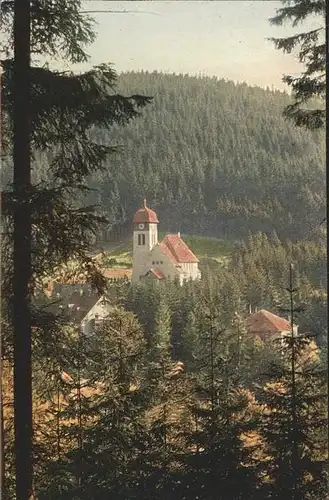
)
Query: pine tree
[
  {"x": 162, "y": 334},
  {"x": 167, "y": 392},
  {"x": 63, "y": 108},
  {"x": 190, "y": 342},
  {"x": 101, "y": 416},
  {"x": 293, "y": 420},
  {"x": 308, "y": 89},
  {"x": 300, "y": 473},
  {"x": 217, "y": 463}
]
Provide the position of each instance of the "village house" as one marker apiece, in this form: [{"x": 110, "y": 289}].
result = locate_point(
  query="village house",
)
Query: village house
[
  {"x": 96, "y": 316},
  {"x": 269, "y": 326},
  {"x": 81, "y": 304},
  {"x": 272, "y": 328},
  {"x": 169, "y": 259}
]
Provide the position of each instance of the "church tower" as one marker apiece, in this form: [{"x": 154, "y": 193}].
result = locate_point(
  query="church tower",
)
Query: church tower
[{"x": 145, "y": 237}]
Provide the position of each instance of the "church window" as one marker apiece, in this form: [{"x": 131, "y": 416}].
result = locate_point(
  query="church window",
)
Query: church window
[
  {"x": 161, "y": 261},
  {"x": 141, "y": 239}
]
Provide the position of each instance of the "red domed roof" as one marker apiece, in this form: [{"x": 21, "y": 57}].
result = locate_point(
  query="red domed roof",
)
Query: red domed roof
[{"x": 145, "y": 214}]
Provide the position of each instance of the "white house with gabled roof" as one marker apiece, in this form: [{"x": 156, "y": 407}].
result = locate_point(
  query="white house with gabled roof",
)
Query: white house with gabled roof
[
  {"x": 169, "y": 259},
  {"x": 96, "y": 316}
]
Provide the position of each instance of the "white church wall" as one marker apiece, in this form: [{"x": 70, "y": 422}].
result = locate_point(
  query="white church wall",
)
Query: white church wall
[
  {"x": 141, "y": 253},
  {"x": 162, "y": 262},
  {"x": 156, "y": 259},
  {"x": 191, "y": 270},
  {"x": 140, "y": 263},
  {"x": 147, "y": 234}
]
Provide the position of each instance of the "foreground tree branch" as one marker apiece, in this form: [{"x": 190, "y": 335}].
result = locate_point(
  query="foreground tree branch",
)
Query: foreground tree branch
[{"x": 308, "y": 108}]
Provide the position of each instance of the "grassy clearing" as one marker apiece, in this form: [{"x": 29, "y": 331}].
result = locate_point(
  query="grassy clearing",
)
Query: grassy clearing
[
  {"x": 203, "y": 247},
  {"x": 209, "y": 248}
]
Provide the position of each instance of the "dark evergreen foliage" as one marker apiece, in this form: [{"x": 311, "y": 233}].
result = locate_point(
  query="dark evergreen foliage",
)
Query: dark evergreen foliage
[
  {"x": 309, "y": 89},
  {"x": 61, "y": 119},
  {"x": 295, "y": 466}
]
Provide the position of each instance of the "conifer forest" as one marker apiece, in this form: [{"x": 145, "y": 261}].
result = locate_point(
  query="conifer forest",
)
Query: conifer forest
[{"x": 172, "y": 396}]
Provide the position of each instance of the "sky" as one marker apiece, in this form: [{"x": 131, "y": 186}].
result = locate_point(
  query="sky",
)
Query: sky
[{"x": 223, "y": 38}]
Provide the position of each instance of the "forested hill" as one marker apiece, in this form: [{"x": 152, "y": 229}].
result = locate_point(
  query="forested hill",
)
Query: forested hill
[{"x": 215, "y": 158}]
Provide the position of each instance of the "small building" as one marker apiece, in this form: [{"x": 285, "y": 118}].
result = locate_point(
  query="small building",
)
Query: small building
[
  {"x": 169, "y": 259},
  {"x": 96, "y": 316},
  {"x": 82, "y": 306},
  {"x": 269, "y": 326}
]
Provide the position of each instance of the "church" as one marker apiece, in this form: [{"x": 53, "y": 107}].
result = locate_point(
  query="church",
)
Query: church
[{"x": 169, "y": 259}]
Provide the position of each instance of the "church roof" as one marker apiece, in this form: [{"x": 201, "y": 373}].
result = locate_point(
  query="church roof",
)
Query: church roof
[
  {"x": 145, "y": 214},
  {"x": 176, "y": 249},
  {"x": 156, "y": 272},
  {"x": 265, "y": 322}
]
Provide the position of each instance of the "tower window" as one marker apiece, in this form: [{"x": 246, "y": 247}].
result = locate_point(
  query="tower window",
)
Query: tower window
[{"x": 141, "y": 239}]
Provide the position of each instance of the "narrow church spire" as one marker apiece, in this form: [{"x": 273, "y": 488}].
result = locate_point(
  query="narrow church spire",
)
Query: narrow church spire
[{"x": 144, "y": 202}]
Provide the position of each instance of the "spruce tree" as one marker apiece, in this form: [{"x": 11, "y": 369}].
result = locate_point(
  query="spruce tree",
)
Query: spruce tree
[
  {"x": 308, "y": 109},
  {"x": 296, "y": 451},
  {"x": 294, "y": 418},
  {"x": 190, "y": 342},
  {"x": 64, "y": 108},
  {"x": 167, "y": 390},
  {"x": 101, "y": 416},
  {"x": 217, "y": 464}
]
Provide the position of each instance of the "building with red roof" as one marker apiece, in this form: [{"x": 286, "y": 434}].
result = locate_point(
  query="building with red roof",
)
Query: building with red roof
[
  {"x": 268, "y": 326},
  {"x": 169, "y": 259}
]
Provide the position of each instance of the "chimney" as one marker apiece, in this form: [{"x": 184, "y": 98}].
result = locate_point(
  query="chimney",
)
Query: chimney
[
  {"x": 178, "y": 234},
  {"x": 250, "y": 309}
]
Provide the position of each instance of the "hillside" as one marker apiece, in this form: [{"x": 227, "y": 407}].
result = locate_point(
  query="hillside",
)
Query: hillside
[{"x": 214, "y": 158}]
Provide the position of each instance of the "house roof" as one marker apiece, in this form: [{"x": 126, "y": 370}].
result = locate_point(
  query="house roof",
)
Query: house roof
[
  {"x": 74, "y": 302},
  {"x": 102, "y": 301},
  {"x": 156, "y": 273},
  {"x": 176, "y": 249},
  {"x": 265, "y": 322},
  {"x": 145, "y": 214},
  {"x": 60, "y": 285},
  {"x": 117, "y": 273}
]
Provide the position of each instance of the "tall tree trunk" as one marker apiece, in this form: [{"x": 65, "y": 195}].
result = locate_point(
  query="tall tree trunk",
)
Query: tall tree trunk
[
  {"x": 294, "y": 455},
  {"x": 22, "y": 252},
  {"x": 2, "y": 445}
]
